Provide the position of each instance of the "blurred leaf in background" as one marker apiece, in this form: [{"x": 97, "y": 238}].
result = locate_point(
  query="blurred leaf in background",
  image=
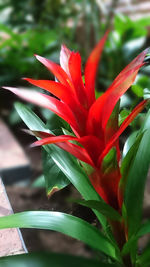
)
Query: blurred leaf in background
[{"x": 40, "y": 27}]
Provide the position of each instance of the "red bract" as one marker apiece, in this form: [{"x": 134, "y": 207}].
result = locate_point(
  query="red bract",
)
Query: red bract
[{"x": 94, "y": 122}]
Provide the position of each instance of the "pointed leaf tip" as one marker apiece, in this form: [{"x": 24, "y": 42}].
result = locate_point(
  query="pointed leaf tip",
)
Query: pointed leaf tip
[{"x": 53, "y": 191}]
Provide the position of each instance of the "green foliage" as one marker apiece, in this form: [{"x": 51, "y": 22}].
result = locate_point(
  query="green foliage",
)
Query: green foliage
[
  {"x": 64, "y": 223},
  {"x": 100, "y": 206},
  {"x": 134, "y": 192},
  {"x": 39, "y": 182},
  {"x": 50, "y": 259},
  {"x": 54, "y": 177},
  {"x": 125, "y": 42},
  {"x": 131, "y": 148},
  {"x": 123, "y": 115},
  {"x": 17, "y": 50},
  {"x": 110, "y": 161},
  {"x": 67, "y": 164},
  {"x": 144, "y": 259}
]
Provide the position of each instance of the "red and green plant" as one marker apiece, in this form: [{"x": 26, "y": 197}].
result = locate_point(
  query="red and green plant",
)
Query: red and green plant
[{"x": 111, "y": 182}]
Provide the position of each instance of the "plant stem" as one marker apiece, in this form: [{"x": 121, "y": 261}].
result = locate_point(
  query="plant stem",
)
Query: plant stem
[{"x": 118, "y": 230}]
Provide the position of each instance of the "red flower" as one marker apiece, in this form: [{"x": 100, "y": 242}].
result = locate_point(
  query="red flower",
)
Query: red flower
[{"x": 94, "y": 122}]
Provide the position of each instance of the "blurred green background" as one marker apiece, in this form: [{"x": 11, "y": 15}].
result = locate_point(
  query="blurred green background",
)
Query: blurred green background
[{"x": 40, "y": 27}]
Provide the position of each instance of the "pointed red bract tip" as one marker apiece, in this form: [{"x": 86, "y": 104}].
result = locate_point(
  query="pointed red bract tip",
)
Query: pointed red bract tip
[
  {"x": 12, "y": 89},
  {"x": 65, "y": 54},
  {"x": 64, "y": 47},
  {"x": 33, "y": 145},
  {"x": 91, "y": 69},
  {"x": 39, "y": 57}
]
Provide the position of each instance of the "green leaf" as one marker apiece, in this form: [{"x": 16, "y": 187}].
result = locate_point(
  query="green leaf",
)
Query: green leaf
[
  {"x": 123, "y": 115},
  {"x": 55, "y": 124},
  {"x": 30, "y": 118},
  {"x": 137, "y": 175},
  {"x": 100, "y": 206},
  {"x": 54, "y": 177},
  {"x": 64, "y": 223},
  {"x": 129, "y": 142},
  {"x": 144, "y": 229},
  {"x": 77, "y": 177},
  {"x": 146, "y": 93},
  {"x": 66, "y": 162},
  {"x": 127, "y": 248},
  {"x": 137, "y": 90},
  {"x": 125, "y": 101},
  {"x": 143, "y": 80},
  {"x": 109, "y": 162},
  {"x": 144, "y": 259},
  {"x": 50, "y": 260},
  {"x": 129, "y": 158},
  {"x": 134, "y": 173},
  {"x": 39, "y": 182}
]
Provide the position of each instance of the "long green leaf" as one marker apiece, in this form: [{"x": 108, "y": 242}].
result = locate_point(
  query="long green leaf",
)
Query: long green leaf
[
  {"x": 144, "y": 229},
  {"x": 64, "y": 223},
  {"x": 100, "y": 206},
  {"x": 128, "y": 162},
  {"x": 63, "y": 160},
  {"x": 50, "y": 260},
  {"x": 129, "y": 143},
  {"x": 30, "y": 118},
  {"x": 55, "y": 179},
  {"x": 136, "y": 180}
]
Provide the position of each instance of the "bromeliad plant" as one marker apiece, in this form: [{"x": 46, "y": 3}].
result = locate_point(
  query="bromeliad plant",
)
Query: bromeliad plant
[{"x": 111, "y": 182}]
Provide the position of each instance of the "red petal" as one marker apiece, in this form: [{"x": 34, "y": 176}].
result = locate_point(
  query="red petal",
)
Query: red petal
[
  {"x": 77, "y": 151},
  {"x": 66, "y": 95},
  {"x": 123, "y": 126},
  {"x": 59, "y": 90},
  {"x": 133, "y": 64},
  {"x": 62, "y": 142},
  {"x": 42, "y": 134},
  {"x": 61, "y": 109},
  {"x": 60, "y": 74},
  {"x": 76, "y": 76},
  {"x": 93, "y": 146},
  {"x": 52, "y": 139},
  {"x": 64, "y": 58},
  {"x": 106, "y": 185},
  {"x": 91, "y": 69},
  {"x": 103, "y": 107}
]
